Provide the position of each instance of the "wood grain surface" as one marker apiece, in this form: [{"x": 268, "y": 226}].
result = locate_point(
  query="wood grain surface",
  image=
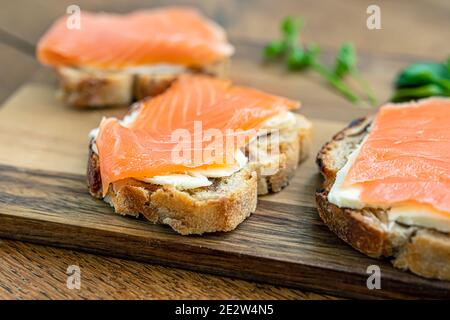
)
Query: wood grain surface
[
  {"x": 43, "y": 199},
  {"x": 411, "y": 31},
  {"x": 282, "y": 243},
  {"x": 39, "y": 272}
]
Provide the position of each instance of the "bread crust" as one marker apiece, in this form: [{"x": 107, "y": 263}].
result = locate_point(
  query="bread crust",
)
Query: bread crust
[
  {"x": 220, "y": 207},
  {"x": 186, "y": 211},
  {"x": 293, "y": 150},
  {"x": 86, "y": 89},
  {"x": 96, "y": 89},
  {"x": 423, "y": 251}
]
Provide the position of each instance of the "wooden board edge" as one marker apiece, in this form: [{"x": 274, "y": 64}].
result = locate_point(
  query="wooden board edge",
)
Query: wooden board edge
[{"x": 300, "y": 276}]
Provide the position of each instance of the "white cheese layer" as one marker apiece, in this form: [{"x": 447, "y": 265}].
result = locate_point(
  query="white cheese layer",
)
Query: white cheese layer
[
  {"x": 423, "y": 216},
  {"x": 181, "y": 181},
  {"x": 281, "y": 121},
  {"x": 150, "y": 69},
  {"x": 157, "y": 69},
  {"x": 130, "y": 118},
  {"x": 196, "y": 178},
  {"x": 412, "y": 215},
  {"x": 346, "y": 197}
]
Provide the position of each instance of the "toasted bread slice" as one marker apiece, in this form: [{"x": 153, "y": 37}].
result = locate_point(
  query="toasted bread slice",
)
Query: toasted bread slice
[
  {"x": 219, "y": 207},
  {"x": 83, "y": 88},
  {"x": 423, "y": 251}
]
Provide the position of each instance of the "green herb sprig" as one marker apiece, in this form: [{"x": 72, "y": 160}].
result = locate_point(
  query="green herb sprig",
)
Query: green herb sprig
[
  {"x": 300, "y": 57},
  {"x": 346, "y": 66},
  {"x": 421, "y": 80}
]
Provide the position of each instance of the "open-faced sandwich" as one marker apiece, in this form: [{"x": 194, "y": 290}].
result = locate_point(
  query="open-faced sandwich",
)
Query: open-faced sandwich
[
  {"x": 387, "y": 186},
  {"x": 196, "y": 156},
  {"x": 112, "y": 59}
]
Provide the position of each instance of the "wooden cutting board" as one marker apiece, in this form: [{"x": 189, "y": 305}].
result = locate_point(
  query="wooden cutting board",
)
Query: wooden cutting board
[{"x": 44, "y": 199}]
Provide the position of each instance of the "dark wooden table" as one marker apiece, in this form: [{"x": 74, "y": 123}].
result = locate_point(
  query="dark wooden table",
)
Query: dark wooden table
[{"x": 411, "y": 30}]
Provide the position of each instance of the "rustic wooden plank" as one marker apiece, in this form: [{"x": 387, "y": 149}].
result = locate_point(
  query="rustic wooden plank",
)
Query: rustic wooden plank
[
  {"x": 413, "y": 28},
  {"x": 46, "y": 132},
  {"x": 283, "y": 244},
  {"x": 41, "y": 123},
  {"x": 31, "y": 271},
  {"x": 250, "y": 26}
]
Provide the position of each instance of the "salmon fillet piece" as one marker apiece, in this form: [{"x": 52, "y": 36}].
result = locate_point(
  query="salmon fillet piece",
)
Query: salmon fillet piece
[
  {"x": 173, "y": 35},
  {"x": 144, "y": 148},
  {"x": 406, "y": 157}
]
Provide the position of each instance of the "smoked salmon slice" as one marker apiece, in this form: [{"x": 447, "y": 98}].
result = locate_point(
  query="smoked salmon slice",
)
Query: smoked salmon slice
[
  {"x": 406, "y": 157},
  {"x": 145, "y": 147},
  {"x": 174, "y": 35}
]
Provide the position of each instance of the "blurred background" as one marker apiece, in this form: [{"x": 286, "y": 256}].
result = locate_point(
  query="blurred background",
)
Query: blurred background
[{"x": 411, "y": 31}]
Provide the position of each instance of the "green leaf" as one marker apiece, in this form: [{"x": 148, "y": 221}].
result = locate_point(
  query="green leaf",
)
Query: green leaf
[
  {"x": 291, "y": 26},
  {"x": 336, "y": 82},
  {"x": 345, "y": 60},
  {"x": 413, "y": 93},
  {"x": 274, "y": 49},
  {"x": 300, "y": 59},
  {"x": 418, "y": 74},
  {"x": 444, "y": 84},
  {"x": 346, "y": 65},
  {"x": 312, "y": 54},
  {"x": 296, "y": 59}
]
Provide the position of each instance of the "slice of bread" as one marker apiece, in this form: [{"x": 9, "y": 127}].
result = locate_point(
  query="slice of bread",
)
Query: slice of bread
[
  {"x": 219, "y": 207},
  {"x": 423, "y": 251},
  {"x": 83, "y": 88}
]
